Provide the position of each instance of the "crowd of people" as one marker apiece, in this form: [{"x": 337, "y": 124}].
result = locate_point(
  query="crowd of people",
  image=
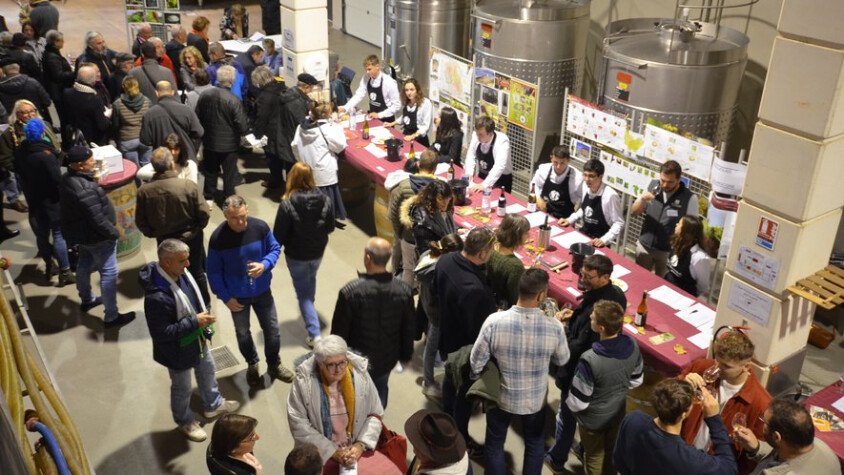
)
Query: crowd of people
[{"x": 179, "y": 110}]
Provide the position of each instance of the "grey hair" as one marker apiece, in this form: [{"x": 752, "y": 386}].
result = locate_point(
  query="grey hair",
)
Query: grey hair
[
  {"x": 234, "y": 202},
  {"x": 171, "y": 246},
  {"x": 177, "y": 30},
  {"x": 262, "y": 76},
  {"x": 52, "y": 36},
  {"x": 380, "y": 256},
  {"x": 6, "y": 38},
  {"x": 162, "y": 160},
  {"x": 87, "y": 75},
  {"x": 225, "y": 76},
  {"x": 155, "y": 40},
  {"x": 89, "y": 36},
  {"x": 328, "y": 346}
]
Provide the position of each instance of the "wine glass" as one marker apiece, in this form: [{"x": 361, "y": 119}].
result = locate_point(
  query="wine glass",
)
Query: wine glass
[
  {"x": 739, "y": 420},
  {"x": 711, "y": 375},
  {"x": 549, "y": 307}
]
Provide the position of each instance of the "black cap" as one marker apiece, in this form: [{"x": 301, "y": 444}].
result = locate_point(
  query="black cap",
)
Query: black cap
[
  {"x": 18, "y": 39},
  {"x": 77, "y": 153},
  {"x": 306, "y": 78}
]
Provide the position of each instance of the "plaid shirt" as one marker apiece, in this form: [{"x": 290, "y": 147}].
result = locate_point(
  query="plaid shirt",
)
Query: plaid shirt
[{"x": 521, "y": 341}]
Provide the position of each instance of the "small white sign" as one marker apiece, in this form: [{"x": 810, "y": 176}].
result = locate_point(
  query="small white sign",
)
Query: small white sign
[{"x": 751, "y": 303}]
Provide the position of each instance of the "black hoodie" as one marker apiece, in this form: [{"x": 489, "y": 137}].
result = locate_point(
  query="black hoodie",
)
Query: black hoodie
[{"x": 303, "y": 223}]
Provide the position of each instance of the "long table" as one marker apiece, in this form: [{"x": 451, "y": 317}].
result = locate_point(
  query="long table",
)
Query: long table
[
  {"x": 825, "y": 398},
  {"x": 563, "y": 284}
]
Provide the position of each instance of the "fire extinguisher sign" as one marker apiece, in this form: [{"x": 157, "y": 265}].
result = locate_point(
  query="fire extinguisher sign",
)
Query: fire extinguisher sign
[{"x": 766, "y": 234}]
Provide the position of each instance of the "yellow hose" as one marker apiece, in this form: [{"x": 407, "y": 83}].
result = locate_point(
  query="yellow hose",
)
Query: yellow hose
[
  {"x": 35, "y": 382},
  {"x": 45, "y": 463}
]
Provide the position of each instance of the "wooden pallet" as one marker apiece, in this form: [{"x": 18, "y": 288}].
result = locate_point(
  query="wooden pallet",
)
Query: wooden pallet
[{"x": 825, "y": 287}]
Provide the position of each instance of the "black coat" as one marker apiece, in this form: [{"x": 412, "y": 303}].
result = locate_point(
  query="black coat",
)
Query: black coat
[
  {"x": 223, "y": 118},
  {"x": 270, "y": 17},
  {"x": 465, "y": 300},
  {"x": 58, "y": 75},
  {"x": 115, "y": 83},
  {"x": 87, "y": 216},
  {"x": 428, "y": 227},
  {"x": 40, "y": 176},
  {"x": 88, "y": 115},
  {"x": 296, "y": 107},
  {"x": 450, "y": 149},
  {"x": 25, "y": 60},
  {"x": 105, "y": 62},
  {"x": 268, "y": 121},
  {"x": 174, "y": 49},
  {"x": 170, "y": 116},
  {"x": 24, "y": 87},
  {"x": 376, "y": 316},
  {"x": 303, "y": 223},
  {"x": 579, "y": 330},
  {"x": 199, "y": 43}
]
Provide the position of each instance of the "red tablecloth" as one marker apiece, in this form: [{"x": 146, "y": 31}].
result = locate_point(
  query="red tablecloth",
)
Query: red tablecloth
[
  {"x": 116, "y": 179},
  {"x": 661, "y": 318},
  {"x": 824, "y": 398}
]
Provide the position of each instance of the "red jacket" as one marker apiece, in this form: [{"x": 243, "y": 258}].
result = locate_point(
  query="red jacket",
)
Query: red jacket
[{"x": 752, "y": 400}]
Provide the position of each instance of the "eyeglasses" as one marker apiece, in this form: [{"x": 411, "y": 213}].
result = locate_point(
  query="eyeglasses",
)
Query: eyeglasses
[
  {"x": 338, "y": 366},
  {"x": 26, "y": 112},
  {"x": 586, "y": 276}
]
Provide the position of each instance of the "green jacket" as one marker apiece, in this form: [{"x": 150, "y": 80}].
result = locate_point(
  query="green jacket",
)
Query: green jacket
[{"x": 486, "y": 388}]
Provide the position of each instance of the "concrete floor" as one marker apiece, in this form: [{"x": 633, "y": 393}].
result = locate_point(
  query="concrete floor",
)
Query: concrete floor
[{"x": 119, "y": 397}]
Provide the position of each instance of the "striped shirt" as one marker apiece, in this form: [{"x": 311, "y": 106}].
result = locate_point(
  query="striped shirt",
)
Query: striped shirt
[{"x": 521, "y": 341}]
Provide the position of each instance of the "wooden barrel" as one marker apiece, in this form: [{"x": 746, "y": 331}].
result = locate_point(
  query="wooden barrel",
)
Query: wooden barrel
[
  {"x": 381, "y": 212},
  {"x": 354, "y": 185},
  {"x": 121, "y": 191}
]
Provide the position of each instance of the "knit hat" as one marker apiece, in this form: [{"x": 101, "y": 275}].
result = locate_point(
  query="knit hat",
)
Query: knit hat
[
  {"x": 434, "y": 435},
  {"x": 34, "y": 129},
  {"x": 78, "y": 153}
]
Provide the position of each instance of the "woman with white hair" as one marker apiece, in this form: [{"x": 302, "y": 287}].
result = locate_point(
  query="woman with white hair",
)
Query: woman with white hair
[{"x": 334, "y": 405}]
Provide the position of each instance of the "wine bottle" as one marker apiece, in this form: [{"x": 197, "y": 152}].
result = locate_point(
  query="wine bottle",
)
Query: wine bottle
[
  {"x": 365, "y": 134},
  {"x": 502, "y": 204},
  {"x": 642, "y": 311},
  {"x": 411, "y": 155},
  {"x": 451, "y": 175},
  {"x": 532, "y": 198}
]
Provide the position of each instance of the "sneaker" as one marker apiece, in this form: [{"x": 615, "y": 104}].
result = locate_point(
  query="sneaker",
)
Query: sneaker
[
  {"x": 122, "y": 319},
  {"x": 253, "y": 376},
  {"x": 432, "y": 391},
  {"x": 66, "y": 277},
  {"x": 227, "y": 406},
  {"x": 20, "y": 206},
  {"x": 194, "y": 432},
  {"x": 86, "y": 306},
  {"x": 555, "y": 468},
  {"x": 311, "y": 340},
  {"x": 282, "y": 373}
]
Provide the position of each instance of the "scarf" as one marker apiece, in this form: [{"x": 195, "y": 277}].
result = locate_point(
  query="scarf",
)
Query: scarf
[
  {"x": 184, "y": 308},
  {"x": 347, "y": 390},
  {"x": 84, "y": 88},
  {"x": 133, "y": 103}
]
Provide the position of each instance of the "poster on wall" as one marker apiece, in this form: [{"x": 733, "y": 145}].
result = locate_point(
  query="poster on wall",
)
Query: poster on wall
[
  {"x": 626, "y": 176},
  {"x": 662, "y": 145},
  {"x": 751, "y": 303},
  {"x": 522, "y": 109},
  {"x": 757, "y": 267},
  {"x": 766, "y": 233},
  {"x": 728, "y": 177},
  {"x": 450, "y": 76},
  {"x": 587, "y": 120}
]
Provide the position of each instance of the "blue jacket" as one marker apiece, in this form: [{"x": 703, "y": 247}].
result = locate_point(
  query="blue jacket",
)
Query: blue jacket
[
  {"x": 273, "y": 61},
  {"x": 241, "y": 82},
  {"x": 165, "y": 329},
  {"x": 228, "y": 254}
]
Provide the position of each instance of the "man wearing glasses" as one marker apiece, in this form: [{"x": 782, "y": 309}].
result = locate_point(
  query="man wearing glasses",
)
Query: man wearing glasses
[{"x": 595, "y": 279}]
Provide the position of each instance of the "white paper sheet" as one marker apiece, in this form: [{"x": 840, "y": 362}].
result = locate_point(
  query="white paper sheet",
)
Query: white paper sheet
[
  {"x": 555, "y": 230},
  {"x": 699, "y": 316},
  {"x": 839, "y": 404},
  {"x": 573, "y": 237},
  {"x": 618, "y": 271},
  {"x": 573, "y": 291},
  {"x": 701, "y": 340},
  {"x": 514, "y": 208},
  {"x": 670, "y": 297},
  {"x": 536, "y": 219},
  {"x": 442, "y": 169},
  {"x": 374, "y": 150},
  {"x": 631, "y": 328},
  {"x": 379, "y": 168},
  {"x": 380, "y": 133}
]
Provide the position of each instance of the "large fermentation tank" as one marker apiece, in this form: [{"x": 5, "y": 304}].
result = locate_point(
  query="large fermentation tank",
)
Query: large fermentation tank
[
  {"x": 538, "y": 41},
  {"x": 676, "y": 71},
  {"x": 413, "y": 26}
]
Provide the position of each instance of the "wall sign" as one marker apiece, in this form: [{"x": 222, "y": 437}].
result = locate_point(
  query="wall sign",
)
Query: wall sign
[{"x": 766, "y": 234}]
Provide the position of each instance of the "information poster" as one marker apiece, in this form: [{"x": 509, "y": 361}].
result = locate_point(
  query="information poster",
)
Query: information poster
[
  {"x": 587, "y": 120},
  {"x": 662, "y": 145},
  {"x": 522, "y": 107},
  {"x": 450, "y": 77},
  {"x": 493, "y": 96},
  {"x": 757, "y": 267},
  {"x": 626, "y": 176},
  {"x": 728, "y": 177},
  {"x": 751, "y": 303}
]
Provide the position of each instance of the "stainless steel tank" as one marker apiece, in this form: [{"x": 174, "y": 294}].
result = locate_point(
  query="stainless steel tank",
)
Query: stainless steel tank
[
  {"x": 413, "y": 26},
  {"x": 680, "y": 72},
  {"x": 537, "y": 41}
]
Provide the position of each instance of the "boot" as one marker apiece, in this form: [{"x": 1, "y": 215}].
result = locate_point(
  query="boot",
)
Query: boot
[
  {"x": 5, "y": 233},
  {"x": 66, "y": 276}
]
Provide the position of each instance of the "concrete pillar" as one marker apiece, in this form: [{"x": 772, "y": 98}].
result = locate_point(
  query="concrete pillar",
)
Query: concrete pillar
[
  {"x": 787, "y": 223},
  {"x": 304, "y": 46}
]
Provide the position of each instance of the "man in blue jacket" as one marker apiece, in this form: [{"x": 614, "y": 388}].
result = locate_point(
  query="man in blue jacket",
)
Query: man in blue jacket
[
  {"x": 180, "y": 327},
  {"x": 241, "y": 255}
]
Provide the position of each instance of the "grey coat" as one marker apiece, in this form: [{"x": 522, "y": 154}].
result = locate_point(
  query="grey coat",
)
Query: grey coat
[
  {"x": 148, "y": 75},
  {"x": 171, "y": 116},
  {"x": 304, "y": 404}
]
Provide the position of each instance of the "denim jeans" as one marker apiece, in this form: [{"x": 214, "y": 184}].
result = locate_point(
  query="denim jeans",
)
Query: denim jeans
[
  {"x": 180, "y": 389},
  {"x": 58, "y": 249},
  {"x": 430, "y": 354},
  {"x": 10, "y": 188},
  {"x": 101, "y": 257},
  {"x": 135, "y": 151},
  {"x": 211, "y": 163},
  {"x": 564, "y": 433},
  {"x": 497, "y": 423},
  {"x": 382, "y": 385},
  {"x": 303, "y": 274},
  {"x": 264, "y": 306}
]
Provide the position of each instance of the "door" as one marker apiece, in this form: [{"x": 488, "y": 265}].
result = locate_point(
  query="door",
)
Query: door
[{"x": 365, "y": 20}]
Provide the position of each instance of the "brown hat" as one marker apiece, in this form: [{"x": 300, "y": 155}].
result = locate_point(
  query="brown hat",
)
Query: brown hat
[{"x": 434, "y": 435}]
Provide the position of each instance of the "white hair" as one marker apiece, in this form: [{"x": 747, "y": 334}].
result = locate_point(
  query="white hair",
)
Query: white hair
[
  {"x": 328, "y": 346},
  {"x": 170, "y": 247},
  {"x": 225, "y": 76}
]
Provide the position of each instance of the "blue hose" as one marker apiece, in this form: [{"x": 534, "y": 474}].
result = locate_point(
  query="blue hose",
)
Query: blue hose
[{"x": 52, "y": 447}]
